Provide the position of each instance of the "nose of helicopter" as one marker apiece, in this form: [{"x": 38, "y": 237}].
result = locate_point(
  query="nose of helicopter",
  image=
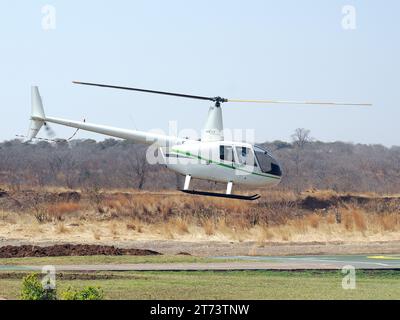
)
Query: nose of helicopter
[
  {"x": 268, "y": 164},
  {"x": 276, "y": 169}
]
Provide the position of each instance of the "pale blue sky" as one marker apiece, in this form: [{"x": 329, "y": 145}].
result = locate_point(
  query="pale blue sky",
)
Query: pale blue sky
[{"x": 284, "y": 49}]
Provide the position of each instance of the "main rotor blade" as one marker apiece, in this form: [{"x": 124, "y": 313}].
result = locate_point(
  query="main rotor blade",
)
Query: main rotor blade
[
  {"x": 146, "y": 91},
  {"x": 219, "y": 99},
  {"x": 301, "y": 102}
]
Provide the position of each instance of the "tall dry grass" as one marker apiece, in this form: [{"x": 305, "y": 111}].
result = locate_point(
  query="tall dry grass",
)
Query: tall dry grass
[
  {"x": 58, "y": 211},
  {"x": 209, "y": 227},
  {"x": 277, "y": 217},
  {"x": 61, "y": 228}
]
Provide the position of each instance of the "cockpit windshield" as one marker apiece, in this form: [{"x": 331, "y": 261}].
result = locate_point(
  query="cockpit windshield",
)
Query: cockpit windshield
[{"x": 267, "y": 163}]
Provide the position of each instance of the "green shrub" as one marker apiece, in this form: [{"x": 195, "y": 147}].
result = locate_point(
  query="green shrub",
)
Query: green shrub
[
  {"x": 32, "y": 289},
  {"x": 88, "y": 293}
]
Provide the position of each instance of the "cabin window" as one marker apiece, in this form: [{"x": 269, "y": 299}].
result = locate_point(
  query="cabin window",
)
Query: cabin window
[
  {"x": 245, "y": 156},
  {"x": 226, "y": 153}
]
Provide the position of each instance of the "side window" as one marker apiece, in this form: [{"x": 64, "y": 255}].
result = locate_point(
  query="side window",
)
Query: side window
[
  {"x": 226, "y": 153},
  {"x": 242, "y": 153},
  {"x": 245, "y": 156}
]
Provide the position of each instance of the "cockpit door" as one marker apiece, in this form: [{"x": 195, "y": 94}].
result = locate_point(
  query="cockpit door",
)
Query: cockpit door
[
  {"x": 226, "y": 154},
  {"x": 245, "y": 156}
]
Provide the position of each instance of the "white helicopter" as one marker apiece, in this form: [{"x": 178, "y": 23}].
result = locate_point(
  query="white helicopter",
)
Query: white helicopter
[{"x": 210, "y": 158}]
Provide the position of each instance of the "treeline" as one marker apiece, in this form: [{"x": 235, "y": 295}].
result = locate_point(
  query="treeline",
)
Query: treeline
[{"x": 307, "y": 164}]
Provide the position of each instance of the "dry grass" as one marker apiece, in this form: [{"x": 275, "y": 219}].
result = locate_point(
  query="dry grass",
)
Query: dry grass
[
  {"x": 223, "y": 227},
  {"x": 134, "y": 225},
  {"x": 114, "y": 229},
  {"x": 181, "y": 226},
  {"x": 96, "y": 234},
  {"x": 61, "y": 228},
  {"x": 359, "y": 220},
  {"x": 313, "y": 220},
  {"x": 171, "y": 229},
  {"x": 331, "y": 218},
  {"x": 265, "y": 235},
  {"x": 389, "y": 222},
  {"x": 8, "y": 217},
  {"x": 284, "y": 233},
  {"x": 277, "y": 217},
  {"x": 385, "y": 223},
  {"x": 209, "y": 227},
  {"x": 57, "y": 211},
  {"x": 166, "y": 232},
  {"x": 301, "y": 225}
]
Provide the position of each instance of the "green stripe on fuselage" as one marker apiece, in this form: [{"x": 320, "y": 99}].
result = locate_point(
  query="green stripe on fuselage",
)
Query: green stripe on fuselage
[{"x": 184, "y": 153}]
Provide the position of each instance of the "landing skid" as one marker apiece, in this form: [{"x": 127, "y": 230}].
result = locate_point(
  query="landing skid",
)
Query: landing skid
[{"x": 222, "y": 195}]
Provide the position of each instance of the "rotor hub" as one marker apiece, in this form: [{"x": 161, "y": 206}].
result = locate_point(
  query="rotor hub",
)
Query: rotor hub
[{"x": 218, "y": 101}]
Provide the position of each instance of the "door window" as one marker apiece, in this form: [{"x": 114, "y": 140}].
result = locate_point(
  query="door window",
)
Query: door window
[
  {"x": 226, "y": 153},
  {"x": 245, "y": 156}
]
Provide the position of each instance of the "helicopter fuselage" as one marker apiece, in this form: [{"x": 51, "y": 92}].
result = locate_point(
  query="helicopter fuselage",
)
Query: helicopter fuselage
[{"x": 224, "y": 161}]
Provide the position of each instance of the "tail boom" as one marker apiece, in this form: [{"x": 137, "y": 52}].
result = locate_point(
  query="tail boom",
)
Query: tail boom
[
  {"x": 133, "y": 135},
  {"x": 38, "y": 119}
]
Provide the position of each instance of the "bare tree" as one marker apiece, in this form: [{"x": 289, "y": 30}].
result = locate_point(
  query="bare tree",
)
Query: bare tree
[
  {"x": 63, "y": 165},
  {"x": 344, "y": 167},
  {"x": 300, "y": 139},
  {"x": 137, "y": 166}
]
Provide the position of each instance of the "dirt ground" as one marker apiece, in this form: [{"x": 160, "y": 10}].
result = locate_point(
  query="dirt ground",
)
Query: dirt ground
[{"x": 205, "y": 248}]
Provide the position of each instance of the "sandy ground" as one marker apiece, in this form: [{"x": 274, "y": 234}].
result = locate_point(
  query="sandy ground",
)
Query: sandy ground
[
  {"x": 168, "y": 239},
  {"x": 223, "y": 248}
]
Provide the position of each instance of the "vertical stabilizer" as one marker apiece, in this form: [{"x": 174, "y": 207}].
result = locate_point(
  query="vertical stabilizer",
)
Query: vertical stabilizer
[{"x": 37, "y": 114}]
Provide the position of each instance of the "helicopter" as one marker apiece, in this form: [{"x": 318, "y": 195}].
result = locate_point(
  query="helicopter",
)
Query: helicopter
[{"x": 210, "y": 158}]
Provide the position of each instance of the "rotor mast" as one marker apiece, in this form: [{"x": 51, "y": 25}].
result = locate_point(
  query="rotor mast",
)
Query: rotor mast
[{"x": 214, "y": 127}]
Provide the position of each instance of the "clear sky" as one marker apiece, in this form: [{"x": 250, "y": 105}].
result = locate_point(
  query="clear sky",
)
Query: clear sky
[{"x": 262, "y": 49}]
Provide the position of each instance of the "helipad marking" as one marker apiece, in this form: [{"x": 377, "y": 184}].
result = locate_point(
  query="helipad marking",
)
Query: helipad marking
[
  {"x": 330, "y": 259},
  {"x": 339, "y": 261},
  {"x": 384, "y": 257}
]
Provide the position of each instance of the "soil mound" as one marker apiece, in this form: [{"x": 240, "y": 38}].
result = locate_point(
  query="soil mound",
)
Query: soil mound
[{"x": 70, "y": 250}]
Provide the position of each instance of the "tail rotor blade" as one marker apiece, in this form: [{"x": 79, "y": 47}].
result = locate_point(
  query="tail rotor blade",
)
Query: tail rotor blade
[{"x": 49, "y": 131}]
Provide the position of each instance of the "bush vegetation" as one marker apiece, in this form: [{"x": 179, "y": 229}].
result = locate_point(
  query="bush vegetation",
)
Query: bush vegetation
[
  {"x": 33, "y": 289},
  {"x": 307, "y": 164}
]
